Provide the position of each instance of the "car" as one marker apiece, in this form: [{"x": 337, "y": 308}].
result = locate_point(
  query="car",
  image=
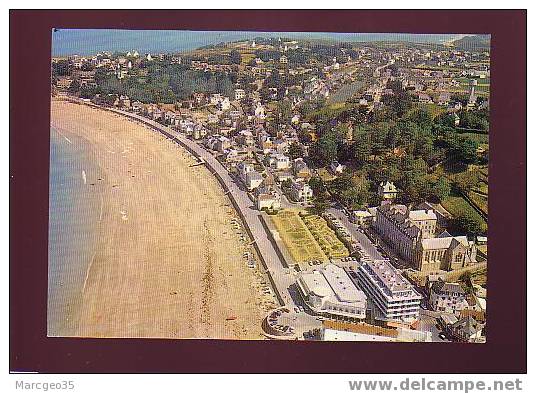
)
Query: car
[{"x": 442, "y": 336}]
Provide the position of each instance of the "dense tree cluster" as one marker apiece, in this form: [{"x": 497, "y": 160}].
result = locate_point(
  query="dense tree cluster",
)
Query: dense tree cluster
[
  {"x": 403, "y": 145},
  {"x": 163, "y": 82}
]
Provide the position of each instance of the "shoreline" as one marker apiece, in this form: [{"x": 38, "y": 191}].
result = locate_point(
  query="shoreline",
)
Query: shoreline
[
  {"x": 223, "y": 262},
  {"x": 73, "y": 227}
]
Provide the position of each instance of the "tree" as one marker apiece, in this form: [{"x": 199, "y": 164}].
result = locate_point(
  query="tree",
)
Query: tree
[
  {"x": 235, "y": 57},
  {"x": 324, "y": 150},
  {"x": 441, "y": 188},
  {"x": 283, "y": 111},
  {"x": 354, "y": 197},
  {"x": 362, "y": 144},
  {"x": 75, "y": 87},
  {"x": 62, "y": 67},
  {"x": 321, "y": 203},
  {"x": 87, "y": 66},
  {"x": 463, "y": 149},
  {"x": 469, "y": 222},
  {"x": 295, "y": 150},
  {"x": 286, "y": 184},
  {"x": 317, "y": 185}
]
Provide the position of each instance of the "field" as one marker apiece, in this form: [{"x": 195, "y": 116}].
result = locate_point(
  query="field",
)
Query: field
[
  {"x": 433, "y": 109},
  {"x": 456, "y": 205},
  {"x": 346, "y": 92},
  {"x": 479, "y": 194},
  {"x": 481, "y": 139},
  {"x": 324, "y": 174},
  {"x": 325, "y": 237},
  {"x": 297, "y": 238}
]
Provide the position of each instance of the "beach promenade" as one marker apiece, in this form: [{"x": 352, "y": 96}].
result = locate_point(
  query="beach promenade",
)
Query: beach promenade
[
  {"x": 280, "y": 276},
  {"x": 168, "y": 262}
]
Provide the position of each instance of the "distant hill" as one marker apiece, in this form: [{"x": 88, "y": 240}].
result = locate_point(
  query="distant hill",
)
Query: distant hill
[{"x": 473, "y": 42}]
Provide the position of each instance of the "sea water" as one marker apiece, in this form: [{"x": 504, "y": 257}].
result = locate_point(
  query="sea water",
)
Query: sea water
[
  {"x": 74, "y": 209},
  {"x": 91, "y": 41}
]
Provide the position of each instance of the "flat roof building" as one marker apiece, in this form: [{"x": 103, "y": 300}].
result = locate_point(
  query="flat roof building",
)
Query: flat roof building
[
  {"x": 331, "y": 292},
  {"x": 391, "y": 293}
]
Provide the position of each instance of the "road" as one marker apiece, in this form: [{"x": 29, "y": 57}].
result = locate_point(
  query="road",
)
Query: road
[
  {"x": 278, "y": 274},
  {"x": 367, "y": 246}
]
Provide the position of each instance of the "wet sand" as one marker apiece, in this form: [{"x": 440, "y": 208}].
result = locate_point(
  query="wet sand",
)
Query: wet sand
[{"x": 167, "y": 262}]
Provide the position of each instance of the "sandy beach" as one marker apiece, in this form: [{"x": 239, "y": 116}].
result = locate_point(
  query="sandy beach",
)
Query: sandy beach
[{"x": 168, "y": 262}]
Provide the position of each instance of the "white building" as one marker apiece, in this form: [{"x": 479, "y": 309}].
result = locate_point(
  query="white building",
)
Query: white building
[
  {"x": 243, "y": 169},
  {"x": 387, "y": 190},
  {"x": 260, "y": 111},
  {"x": 393, "y": 295},
  {"x": 301, "y": 192},
  {"x": 278, "y": 161},
  {"x": 450, "y": 297},
  {"x": 239, "y": 94},
  {"x": 222, "y": 143},
  {"x": 225, "y": 104},
  {"x": 253, "y": 180},
  {"x": 267, "y": 198},
  {"x": 216, "y": 98},
  {"x": 331, "y": 292},
  {"x": 363, "y": 218}
]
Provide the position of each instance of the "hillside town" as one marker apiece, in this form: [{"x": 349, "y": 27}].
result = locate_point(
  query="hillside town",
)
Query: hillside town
[{"x": 359, "y": 172}]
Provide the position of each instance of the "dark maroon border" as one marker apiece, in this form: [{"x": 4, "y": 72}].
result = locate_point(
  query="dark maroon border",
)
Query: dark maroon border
[{"x": 31, "y": 350}]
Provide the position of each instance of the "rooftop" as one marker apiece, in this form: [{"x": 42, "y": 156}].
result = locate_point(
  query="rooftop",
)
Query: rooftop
[
  {"x": 419, "y": 215},
  {"x": 388, "y": 278},
  {"x": 333, "y": 282}
]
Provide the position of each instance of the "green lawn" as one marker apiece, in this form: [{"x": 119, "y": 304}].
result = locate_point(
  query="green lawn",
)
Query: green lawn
[
  {"x": 480, "y": 200},
  {"x": 481, "y": 139},
  {"x": 457, "y": 205}
]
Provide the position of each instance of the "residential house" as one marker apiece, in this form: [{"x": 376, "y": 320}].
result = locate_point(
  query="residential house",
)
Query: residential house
[
  {"x": 267, "y": 198},
  {"x": 253, "y": 180},
  {"x": 466, "y": 329},
  {"x": 239, "y": 94},
  {"x": 260, "y": 111},
  {"x": 283, "y": 176},
  {"x": 387, "y": 190},
  {"x": 362, "y": 218},
  {"x": 222, "y": 144},
  {"x": 64, "y": 83},
  {"x": 300, "y": 169},
  {"x": 301, "y": 192},
  {"x": 336, "y": 168},
  {"x": 450, "y": 297},
  {"x": 243, "y": 169},
  {"x": 278, "y": 161},
  {"x": 444, "y": 98},
  {"x": 225, "y": 104}
]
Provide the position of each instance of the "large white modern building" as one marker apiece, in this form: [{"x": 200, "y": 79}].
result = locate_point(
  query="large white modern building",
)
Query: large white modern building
[
  {"x": 394, "y": 296},
  {"x": 331, "y": 292}
]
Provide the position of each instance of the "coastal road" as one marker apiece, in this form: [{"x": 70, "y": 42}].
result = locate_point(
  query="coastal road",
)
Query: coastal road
[
  {"x": 366, "y": 245},
  {"x": 280, "y": 276}
]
